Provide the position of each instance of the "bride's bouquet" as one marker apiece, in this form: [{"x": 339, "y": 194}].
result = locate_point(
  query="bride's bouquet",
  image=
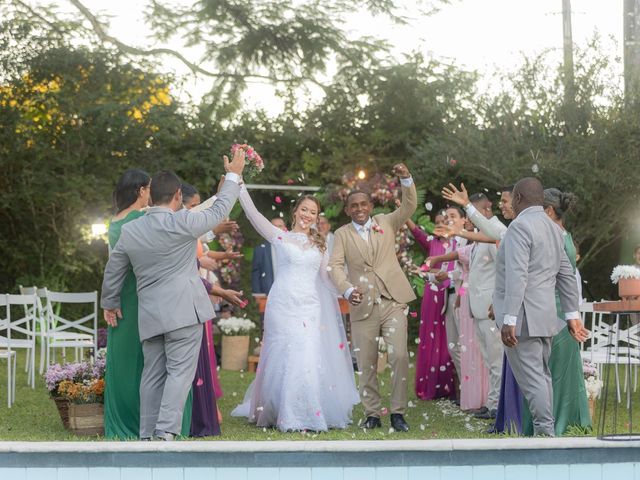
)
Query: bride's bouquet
[{"x": 254, "y": 163}]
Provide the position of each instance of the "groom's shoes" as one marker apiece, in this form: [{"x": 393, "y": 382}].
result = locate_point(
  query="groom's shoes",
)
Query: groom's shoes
[
  {"x": 371, "y": 422},
  {"x": 163, "y": 436},
  {"x": 398, "y": 423}
]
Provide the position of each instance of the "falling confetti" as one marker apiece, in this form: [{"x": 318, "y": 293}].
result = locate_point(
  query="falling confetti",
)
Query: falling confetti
[
  {"x": 428, "y": 206},
  {"x": 535, "y": 168}
]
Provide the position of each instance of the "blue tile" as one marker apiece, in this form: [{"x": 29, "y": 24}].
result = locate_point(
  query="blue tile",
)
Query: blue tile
[
  {"x": 295, "y": 474},
  {"x": 424, "y": 473},
  {"x": 553, "y": 472},
  {"x": 41, "y": 473},
  {"x": 168, "y": 474},
  {"x": 520, "y": 472},
  {"x": 327, "y": 473},
  {"x": 107, "y": 473},
  {"x": 488, "y": 472},
  {"x": 73, "y": 474},
  {"x": 619, "y": 471},
  {"x": 136, "y": 474},
  {"x": 586, "y": 471},
  {"x": 359, "y": 473},
  {"x": 263, "y": 474},
  {"x": 231, "y": 474},
  {"x": 392, "y": 473},
  {"x": 459, "y": 473},
  {"x": 13, "y": 473},
  {"x": 199, "y": 474}
]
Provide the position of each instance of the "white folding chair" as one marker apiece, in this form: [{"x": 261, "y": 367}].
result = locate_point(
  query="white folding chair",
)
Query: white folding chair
[
  {"x": 64, "y": 331},
  {"x": 7, "y": 353},
  {"x": 21, "y": 331},
  {"x": 41, "y": 324}
]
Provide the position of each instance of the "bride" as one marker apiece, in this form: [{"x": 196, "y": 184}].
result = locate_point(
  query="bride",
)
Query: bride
[{"x": 305, "y": 378}]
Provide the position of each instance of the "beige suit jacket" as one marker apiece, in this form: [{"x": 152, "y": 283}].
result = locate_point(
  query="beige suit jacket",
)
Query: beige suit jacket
[{"x": 373, "y": 265}]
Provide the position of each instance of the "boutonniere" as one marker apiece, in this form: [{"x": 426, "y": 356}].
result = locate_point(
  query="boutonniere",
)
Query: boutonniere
[{"x": 376, "y": 228}]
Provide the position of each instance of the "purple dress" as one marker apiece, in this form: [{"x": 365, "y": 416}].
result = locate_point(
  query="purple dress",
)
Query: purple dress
[
  {"x": 509, "y": 415},
  {"x": 434, "y": 368}
]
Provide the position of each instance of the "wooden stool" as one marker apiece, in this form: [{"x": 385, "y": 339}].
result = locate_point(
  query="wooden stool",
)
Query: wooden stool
[{"x": 253, "y": 363}]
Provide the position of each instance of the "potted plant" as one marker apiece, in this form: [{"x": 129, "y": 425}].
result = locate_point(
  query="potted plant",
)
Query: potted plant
[
  {"x": 81, "y": 385},
  {"x": 628, "y": 279},
  {"x": 593, "y": 385},
  {"x": 235, "y": 342}
]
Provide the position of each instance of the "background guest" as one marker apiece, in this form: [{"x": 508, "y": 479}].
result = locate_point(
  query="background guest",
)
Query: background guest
[{"x": 263, "y": 264}]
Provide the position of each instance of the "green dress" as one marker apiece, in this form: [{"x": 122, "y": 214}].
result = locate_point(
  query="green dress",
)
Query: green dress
[
  {"x": 570, "y": 404},
  {"x": 125, "y": 360}
]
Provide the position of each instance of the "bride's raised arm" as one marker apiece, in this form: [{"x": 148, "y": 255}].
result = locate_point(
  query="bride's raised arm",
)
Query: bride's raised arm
[{"x": 264, "y": 227}]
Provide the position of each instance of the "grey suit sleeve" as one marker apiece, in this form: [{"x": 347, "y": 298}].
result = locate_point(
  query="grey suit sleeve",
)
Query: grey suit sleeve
[
  {"x": 114, "y": 274},
  {"x": 196, "y": 224},
  {"x": 517, "y": 249},
  {"x": 493, "y": 229},
  {"x": 566, "y": 286}
]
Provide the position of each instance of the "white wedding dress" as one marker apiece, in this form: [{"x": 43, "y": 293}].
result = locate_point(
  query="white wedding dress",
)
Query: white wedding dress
[{"x": 305, "y": 378}]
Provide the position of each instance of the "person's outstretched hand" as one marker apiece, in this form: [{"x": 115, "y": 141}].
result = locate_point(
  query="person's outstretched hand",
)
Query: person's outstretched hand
[
  {"x": 237, "y": 164},
  {"x": 401, "y": 170},
  {"x": 461, "y": 197},
  {"x": 577, "y": 330},
  {"x": 228, "y": 226}
]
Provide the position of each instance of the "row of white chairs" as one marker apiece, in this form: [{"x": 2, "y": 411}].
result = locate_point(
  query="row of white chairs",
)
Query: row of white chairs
[
  {"x": 43, "y": 319},
  {"x": 612, "y": 342}
]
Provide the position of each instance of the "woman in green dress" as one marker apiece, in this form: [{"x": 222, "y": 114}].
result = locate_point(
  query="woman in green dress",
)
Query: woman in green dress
[
  {"x": 570, "y": 404},
  {"x": 124, "y": 351}
]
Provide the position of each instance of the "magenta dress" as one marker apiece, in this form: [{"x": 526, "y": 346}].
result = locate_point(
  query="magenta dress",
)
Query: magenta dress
[
  {"x": 434, "y": 368},
  {"x": 474, "y": 377}
]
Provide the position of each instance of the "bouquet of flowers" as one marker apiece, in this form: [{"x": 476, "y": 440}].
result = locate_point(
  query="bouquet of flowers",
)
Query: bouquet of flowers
[
  {"x": 625, "y": 272},
  {"x": 81, "y": 382},
  {"x": 234, "y": 326},
  {"x": 254, "y": 163},
  {"x": 592, "y": 382}
]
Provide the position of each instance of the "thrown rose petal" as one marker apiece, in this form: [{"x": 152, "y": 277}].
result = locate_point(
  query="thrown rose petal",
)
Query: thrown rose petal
[{"x": 278, "y": 200}]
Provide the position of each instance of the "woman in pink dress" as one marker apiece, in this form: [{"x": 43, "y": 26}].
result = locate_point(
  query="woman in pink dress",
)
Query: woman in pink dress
[
  {"x": 434, "y": 368},
  {"x": 474, "y": 378}
]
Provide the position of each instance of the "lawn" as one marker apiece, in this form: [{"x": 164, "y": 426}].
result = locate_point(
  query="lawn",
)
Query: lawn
[{"x": 34, "y": 416}]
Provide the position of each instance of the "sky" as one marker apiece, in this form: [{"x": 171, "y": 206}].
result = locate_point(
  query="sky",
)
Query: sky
[{"x": 482, "y": 35}]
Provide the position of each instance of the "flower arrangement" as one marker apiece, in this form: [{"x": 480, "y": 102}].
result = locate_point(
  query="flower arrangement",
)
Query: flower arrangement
[
  {"x": 81, "y": 382},
  {"x": 625, "y": 272},
  {"x": 254, "y": 164},
  {"x": 592, "y": 382},
  {"x": 234, "y": 326}
]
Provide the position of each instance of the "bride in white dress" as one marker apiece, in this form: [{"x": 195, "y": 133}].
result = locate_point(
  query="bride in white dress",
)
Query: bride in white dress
[{"x": 305, "y": 378}]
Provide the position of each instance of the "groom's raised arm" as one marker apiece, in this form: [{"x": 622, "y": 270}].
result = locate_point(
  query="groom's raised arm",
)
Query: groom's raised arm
[
  {"x": 337, "y": 263},
  {"x": 407, "y": 207}
]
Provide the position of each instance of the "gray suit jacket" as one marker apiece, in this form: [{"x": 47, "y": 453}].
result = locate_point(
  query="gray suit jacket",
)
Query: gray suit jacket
[
  {"x": 530, "y": 266},
  {"x": 161, "y": 247},
  {"x": 491, "y": 227},
  {"x": 482, "y": 279}
]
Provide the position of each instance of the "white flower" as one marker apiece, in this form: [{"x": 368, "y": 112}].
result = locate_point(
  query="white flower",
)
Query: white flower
[
  {"x": 236, "y": 326},
  {"x": 626, "y": 272}
]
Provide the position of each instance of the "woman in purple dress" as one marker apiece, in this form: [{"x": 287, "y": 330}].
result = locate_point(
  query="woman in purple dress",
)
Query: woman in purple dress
[{"x": 434, "y": 368}]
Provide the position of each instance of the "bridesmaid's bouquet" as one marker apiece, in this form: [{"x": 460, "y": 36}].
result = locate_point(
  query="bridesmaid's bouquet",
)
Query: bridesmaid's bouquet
[{"x": 254, "y": 163}]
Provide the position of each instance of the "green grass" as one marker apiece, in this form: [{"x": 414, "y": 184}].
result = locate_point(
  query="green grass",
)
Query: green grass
[{"x": 34, "y": 416}]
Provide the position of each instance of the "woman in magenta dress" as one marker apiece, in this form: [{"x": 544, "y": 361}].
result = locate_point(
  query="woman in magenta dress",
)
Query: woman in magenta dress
[{"x": 434, "y": 368}]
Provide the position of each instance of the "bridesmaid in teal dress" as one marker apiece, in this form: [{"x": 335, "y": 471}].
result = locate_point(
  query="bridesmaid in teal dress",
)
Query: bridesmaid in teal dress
[
  {"x": 570, "y": 404},
  {"x": 124, "y": 351}
]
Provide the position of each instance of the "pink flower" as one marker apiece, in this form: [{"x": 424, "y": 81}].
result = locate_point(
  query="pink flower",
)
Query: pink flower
[
  {"x": 376, "y": 228},
  {"x": 424, "y": 267},
  {"x": 278, "y": 200},
  {"x": 413, "y": 314},
  {"x": 244, "y": 303}
]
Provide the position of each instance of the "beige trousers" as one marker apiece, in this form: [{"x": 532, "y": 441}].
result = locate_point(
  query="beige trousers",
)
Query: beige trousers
[{"x": 389, "y": 321}]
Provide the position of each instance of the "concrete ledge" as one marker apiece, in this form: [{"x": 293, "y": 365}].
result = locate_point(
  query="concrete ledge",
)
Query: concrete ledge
[{"x": 288, "y": 454}]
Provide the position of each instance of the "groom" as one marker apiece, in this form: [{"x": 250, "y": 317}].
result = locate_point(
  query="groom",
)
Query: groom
[
  {"x": 378, "y": 291},
  {"x": 172, "y": 301}
]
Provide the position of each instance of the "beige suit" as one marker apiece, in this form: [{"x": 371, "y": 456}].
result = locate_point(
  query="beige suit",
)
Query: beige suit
[{"x": 374, "y": 268}]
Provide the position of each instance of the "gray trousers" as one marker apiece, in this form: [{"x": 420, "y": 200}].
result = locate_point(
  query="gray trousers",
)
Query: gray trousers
[
  {"x": 491, "y": 350},
  {"x": 170, "y": 362},
  {"x": 529, "y": 361},
  {"x": 452, "y": 327}
]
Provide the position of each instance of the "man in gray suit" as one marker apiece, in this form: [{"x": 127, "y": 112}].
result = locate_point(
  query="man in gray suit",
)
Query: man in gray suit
[
  {"x": 530, "y": 266},
  {"x": 172, "y": 300}
]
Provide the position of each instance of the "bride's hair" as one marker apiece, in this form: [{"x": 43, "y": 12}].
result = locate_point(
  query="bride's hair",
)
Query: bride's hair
[{"x": 316, "y": 237}]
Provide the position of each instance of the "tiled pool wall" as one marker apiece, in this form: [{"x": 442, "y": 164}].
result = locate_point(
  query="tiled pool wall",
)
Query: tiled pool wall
[{"x": 504, "y": 459}]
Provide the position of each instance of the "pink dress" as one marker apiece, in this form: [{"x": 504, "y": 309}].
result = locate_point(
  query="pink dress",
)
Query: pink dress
[
  {"x": 434, "y": 367},
  {"x": 474, "y": 378}
]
